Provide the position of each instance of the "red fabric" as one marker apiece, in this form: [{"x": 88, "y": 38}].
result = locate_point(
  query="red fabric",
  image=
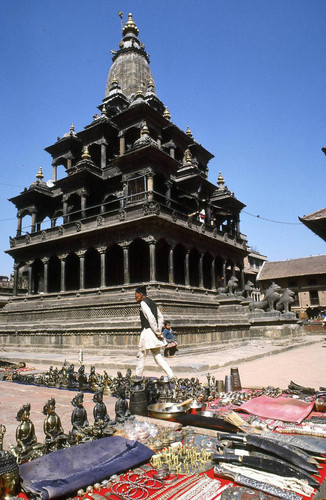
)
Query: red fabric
[
  {"x": 281, "y": 408},
  {"x": 209, "y": 473}
]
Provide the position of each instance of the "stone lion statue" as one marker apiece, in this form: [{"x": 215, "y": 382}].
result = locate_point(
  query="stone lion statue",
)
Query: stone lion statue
[
  {"x": 285, "y": 301},
  {"x": 272, "y": 295},
  {"x": 229, "y": 289}
]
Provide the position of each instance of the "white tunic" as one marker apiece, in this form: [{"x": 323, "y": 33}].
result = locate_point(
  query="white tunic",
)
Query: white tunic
[{"x": 148, "y": 337}]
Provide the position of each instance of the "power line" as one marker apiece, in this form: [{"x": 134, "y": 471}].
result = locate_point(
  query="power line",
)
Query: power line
[{"x": 271, "y": 220}]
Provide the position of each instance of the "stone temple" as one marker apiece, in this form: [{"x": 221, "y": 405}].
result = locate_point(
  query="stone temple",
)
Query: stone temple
[{"x": 135, "y": 207}]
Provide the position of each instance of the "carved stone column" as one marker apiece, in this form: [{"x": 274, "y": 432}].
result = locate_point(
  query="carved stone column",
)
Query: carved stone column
[
  {"x": 224, "y": 272},
  {"x": 103, "y": 155},
  {"x": 168, "y": 193},
  {"x": 29, "y": 266},
  {"x": 126, "y": 272},
  {"x": 19, "y": 223},
  {"x": 15, "y": 285},
  {"x": 83, "y": 196},
  {"x": 102, "y": 251},
  {"x": 81, "y": 255},
  {"x": 152, "y": 260},
  {"x": 69, "y": 161},
  {"x": 122, "y": 144},
  {"x": 62, "y": 259},
  {"x": 45, "y": 261},
  {"x": 65, "y": 208},
  {"x": 150, "y": 186},
  {"x": 187, "y": 278},
  {"x": 237, "y": 226},
  {"x": 172, "y": 149},
  {"x": 54, "y": 173},
  {"x": 200, "y": 269},
  {"x": 33, "y": 228},
  {"x": 213, "y": 275},
  {"x": 171, "y": 265}
]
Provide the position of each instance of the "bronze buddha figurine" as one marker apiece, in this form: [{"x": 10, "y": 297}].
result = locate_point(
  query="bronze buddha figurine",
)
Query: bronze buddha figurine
[
  {"x": 55, "y": 437},
  {"x": 27, "y": 445},
  {"x": 79, "y": 419}
]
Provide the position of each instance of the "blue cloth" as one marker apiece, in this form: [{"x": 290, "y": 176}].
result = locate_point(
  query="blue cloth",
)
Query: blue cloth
[{"x": 63, "y": 472}]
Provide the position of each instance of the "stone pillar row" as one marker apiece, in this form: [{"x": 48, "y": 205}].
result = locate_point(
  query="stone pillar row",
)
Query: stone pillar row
[{"x": 126, "y": 271}]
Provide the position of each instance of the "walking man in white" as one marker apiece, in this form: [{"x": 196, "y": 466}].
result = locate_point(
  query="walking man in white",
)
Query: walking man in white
[{"x": 151, "y": 337}]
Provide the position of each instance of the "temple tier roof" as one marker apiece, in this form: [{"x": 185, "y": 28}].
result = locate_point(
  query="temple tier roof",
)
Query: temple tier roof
[{"x": 316, "y": 222}]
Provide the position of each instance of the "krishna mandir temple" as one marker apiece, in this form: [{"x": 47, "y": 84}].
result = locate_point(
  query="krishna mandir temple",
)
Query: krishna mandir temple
[{"x": 135, "y": 207}]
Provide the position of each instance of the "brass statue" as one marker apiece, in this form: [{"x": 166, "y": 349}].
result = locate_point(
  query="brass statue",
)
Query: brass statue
[
  {"x": 79, "y": 419},
  {"x": 50, "y": 377},
  {"x": 106, "y": 384},
  {"x": 9, "y": 476},
  {"x": 122, "y": 412},
  {"x": 27, "y": 446},
  {"x": 93, "y": 380},
  {"x": 72, "y": 380},
  {"x": 102, "y": 422},
  {"x": 82, "y": 379},
  {"x": 55, "y": 438},
  {"x": 64, "y": 378}
]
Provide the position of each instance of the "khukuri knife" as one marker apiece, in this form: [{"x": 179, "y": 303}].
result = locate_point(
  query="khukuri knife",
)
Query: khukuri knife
[
  {"x": 275, "y": 448},
  {"x": 268, "y": 464}
]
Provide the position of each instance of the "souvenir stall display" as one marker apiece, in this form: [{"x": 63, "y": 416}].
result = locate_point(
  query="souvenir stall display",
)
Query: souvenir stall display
[{"x": 170, "y": 440}]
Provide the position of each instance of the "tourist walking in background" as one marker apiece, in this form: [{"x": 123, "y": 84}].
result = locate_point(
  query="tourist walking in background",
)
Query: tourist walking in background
[{"x": 151, "y": 337}]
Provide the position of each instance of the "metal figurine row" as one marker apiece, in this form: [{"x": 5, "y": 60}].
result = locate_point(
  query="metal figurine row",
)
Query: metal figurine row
[
  {"x": 28, "y": 448},
  {"x": 157, "y": 390}
]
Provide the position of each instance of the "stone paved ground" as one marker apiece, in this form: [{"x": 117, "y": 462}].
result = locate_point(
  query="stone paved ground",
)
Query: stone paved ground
[{"x": 259, "y": 363}]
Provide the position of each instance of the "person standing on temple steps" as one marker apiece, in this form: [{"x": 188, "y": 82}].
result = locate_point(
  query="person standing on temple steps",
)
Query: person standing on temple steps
[{"x": 151, "y": 337}]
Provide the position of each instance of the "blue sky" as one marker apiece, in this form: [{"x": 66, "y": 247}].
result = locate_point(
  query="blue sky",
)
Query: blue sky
[{"x": 247, "y": 76}]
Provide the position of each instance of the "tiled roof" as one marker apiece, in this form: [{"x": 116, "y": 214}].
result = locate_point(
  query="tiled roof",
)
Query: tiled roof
[
  {"x": 293, "y": 267},
  {"x": 320, "y": 214}
]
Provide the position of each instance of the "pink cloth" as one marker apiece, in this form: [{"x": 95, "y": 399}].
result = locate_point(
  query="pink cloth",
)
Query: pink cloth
[{"x": 281, "y": 408}]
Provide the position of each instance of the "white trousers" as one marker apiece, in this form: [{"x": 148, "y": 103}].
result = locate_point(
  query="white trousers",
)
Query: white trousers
[{"x": 159, "y": 360}]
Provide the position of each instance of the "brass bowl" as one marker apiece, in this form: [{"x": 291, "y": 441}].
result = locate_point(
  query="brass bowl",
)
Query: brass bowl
[
  {"x": 198, "y": 405},
  {"x": 206, "y": 413},
  {"x": 166, "y": 411}
]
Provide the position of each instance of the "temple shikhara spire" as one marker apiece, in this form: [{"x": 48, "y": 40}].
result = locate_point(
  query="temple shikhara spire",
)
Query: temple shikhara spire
[
  {"x": 130, "y": 68},
  {"x": 129, "y": 202}
]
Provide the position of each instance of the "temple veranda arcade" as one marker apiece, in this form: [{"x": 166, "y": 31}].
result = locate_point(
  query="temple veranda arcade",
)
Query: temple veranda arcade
[{"x": 107, "y": 260}]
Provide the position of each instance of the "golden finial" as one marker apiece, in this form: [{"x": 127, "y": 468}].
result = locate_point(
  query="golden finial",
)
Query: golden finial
[
  {"x": 188, "y": 156},
  {"x": 86, "y": 155},
  {"x": 220, "y": 180},
  {"x": 188, "y": 132},
  {"x": 166, "y": 113},
  {"x": 39, "y": 174},
  {"x": 121, "y": 16},
  {"x": 150, "y": 83},
  {"x": 72, "y": 128},
  {"x": 144, "y": 130},
  {"x": 139, "y": 93},
  {"x": 130, "y": 26}
]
